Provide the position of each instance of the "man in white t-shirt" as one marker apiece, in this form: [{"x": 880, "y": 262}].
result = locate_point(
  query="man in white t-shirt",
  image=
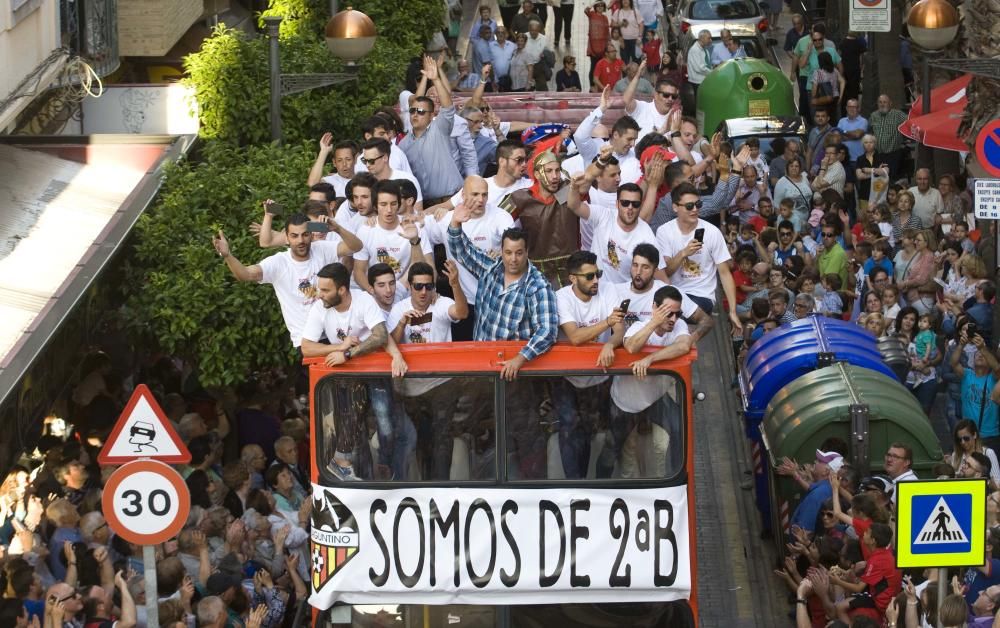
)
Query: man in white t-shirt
[
  {"x": 928, "y": 203},
  {"x": 291, "y": 273},
  {"x": 375, "y": 155},
  {"x": 640, "y": 290},
  {"x": 603, "y": 193},
  {"x": 358, "y": 206},
  {"x": 395, "y": 242},
  {"x": 427, "y": 317},
  {"x": 344, "y": 153},
  {"x": 651, "y": 405},
  {"x": 382, "y": 279},
  {"x": 511, "y": 164},
  {"x": 316, "y": 211},
  {"x": 485, "y": 230},
  {"x": 383, "y": 126},
  {"x": 622, "y": 140},
  {"x": 651, "y": 115},
  {"x": 616, "y": 232},
  {"x": 696, "y": 254},
  {"x": 355, "y": 325},
  {"x": 586, "y": 314}
]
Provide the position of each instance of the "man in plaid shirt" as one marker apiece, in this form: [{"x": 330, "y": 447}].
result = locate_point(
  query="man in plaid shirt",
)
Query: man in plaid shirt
[{"x": 514, "y": 301}]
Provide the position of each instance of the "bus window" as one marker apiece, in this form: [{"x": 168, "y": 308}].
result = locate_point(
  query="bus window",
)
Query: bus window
[
  {"x": 419, "y": 429},
  {"x": 385, "y": 616},
  {"x": 594, "y": 427}
]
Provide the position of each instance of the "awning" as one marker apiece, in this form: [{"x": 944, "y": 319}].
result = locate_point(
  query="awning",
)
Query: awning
[{"x": 939, "y": 128}]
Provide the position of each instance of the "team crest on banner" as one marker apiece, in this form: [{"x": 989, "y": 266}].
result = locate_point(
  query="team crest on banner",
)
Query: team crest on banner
[{"x": 335, "y": 537}]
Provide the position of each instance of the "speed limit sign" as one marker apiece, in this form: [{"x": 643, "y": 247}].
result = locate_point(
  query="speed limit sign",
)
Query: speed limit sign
[{"x": 146, "y": 502}]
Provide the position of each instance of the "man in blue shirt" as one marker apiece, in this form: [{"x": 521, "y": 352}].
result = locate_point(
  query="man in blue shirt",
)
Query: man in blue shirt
[
  {"x": 501, "y": 52},
  {"x": 978, "y": 387},
  {"x": 853, "y": 127},
  {"x": 817, "y": 486}
]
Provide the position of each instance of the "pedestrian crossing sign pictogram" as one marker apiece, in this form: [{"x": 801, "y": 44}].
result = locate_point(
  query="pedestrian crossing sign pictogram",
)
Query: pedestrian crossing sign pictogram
[{"x": 940, "y": 523}]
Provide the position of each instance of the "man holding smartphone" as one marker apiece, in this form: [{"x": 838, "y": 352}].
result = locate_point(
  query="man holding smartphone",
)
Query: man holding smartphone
[{"x": 696, "y": 254}]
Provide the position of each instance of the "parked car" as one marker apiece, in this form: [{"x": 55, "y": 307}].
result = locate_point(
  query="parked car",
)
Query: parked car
[
  {"x": 737, "y": 131},
  {"x": 691, "y": 16}
]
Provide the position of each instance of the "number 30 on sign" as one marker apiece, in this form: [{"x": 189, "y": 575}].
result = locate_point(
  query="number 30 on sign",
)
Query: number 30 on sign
[{"x": 146, "y": 502}]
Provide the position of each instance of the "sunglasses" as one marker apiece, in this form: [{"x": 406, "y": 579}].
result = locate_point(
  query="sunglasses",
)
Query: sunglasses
[
  {"x": 670, "y": 95},
  {"x": 590, "y": 276},
  {"x": 635, "y": 204},
  {"x": 371, "y": 162},
  {"x": 519, "y": 160},
  {"x": 827, "y": 513},
  {"x": 829, "y": 235},
  {"x": 420, "y": 287},
  {"x": 785, "y": 234},
  {"x": 691, "y": 205},
  {"x": 672, "y": 314},
  {"x": 818, "y": 41},
  {"x": 966, "y": 439},
  {"x": 419, "y": 111}
]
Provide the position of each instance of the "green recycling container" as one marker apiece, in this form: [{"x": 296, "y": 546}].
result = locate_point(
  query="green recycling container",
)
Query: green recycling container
[
  {"x": 830, "y": 402},
  {"x": 743, "y": 88}
]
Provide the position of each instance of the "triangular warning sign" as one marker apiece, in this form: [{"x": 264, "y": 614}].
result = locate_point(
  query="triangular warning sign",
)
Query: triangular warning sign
[
  {"x": 940, "y": 527},
  {"x": 143, "y": 431}
]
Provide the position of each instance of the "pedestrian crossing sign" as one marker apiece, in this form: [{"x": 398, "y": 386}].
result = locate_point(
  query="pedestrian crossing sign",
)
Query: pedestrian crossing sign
[{"x": 940, "y": 523}]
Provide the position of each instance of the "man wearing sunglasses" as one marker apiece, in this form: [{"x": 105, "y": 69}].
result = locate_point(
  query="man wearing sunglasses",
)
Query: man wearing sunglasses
[
  {"x": 638, "y": 401},
  {"x": 428, "y": 145},
  {"x": 512, "y": 160},
  {"x": 696, "y": 265},
  {"x": 806, "y": 56},
  {"x": 616, "y": 232},
  {"x": 375, "y": 156},
  {"x": 651, "y": 115},
  {"x": 587, "y": 313}
]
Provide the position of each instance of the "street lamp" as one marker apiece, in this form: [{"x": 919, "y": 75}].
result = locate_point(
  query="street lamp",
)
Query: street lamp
[
  {"x": 350, "y": 35},
  {"x": 933, "y": 25}
]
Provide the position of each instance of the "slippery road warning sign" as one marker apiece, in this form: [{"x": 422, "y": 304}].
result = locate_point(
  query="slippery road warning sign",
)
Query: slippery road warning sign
[{"x": 941, "y": 523}]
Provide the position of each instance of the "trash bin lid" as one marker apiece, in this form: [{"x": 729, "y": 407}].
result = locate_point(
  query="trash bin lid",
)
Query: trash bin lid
[{"x": 796, "y": 348}]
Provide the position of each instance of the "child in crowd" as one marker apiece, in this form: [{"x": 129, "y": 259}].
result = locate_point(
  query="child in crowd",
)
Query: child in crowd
[
  {"x": 786, "y": 211},
  {"x": 890, "y": 302},
  {"x": 742, "y": 276},
  {"x": 926, "y": 340},
  {"x": 817, "y": 212},
  {"x": 831, "y": 304},
  {"x": 746, "y": 236},
  {"x": 885, "y": 222},
  {"x": 881, "y": 251},
  {"x": 651, "y": 43},
  {"x": 756, "y": 159},
  {"x": 807, "y": 285}
]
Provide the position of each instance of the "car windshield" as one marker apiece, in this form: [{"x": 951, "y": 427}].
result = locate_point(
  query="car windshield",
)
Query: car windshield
[{"x": 724, "y": 10}]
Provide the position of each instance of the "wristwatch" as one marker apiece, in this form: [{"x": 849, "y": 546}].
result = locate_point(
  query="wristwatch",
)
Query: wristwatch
[
  {"x": 347, "y": 354},
  {"x": 675, "y": 134},
  {"x": 415, "y": 241}
]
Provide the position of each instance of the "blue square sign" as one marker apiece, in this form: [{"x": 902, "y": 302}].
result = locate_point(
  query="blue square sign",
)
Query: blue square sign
[
  {"x": 945, "y": 524},
  {"x": 941, "y": 523}
]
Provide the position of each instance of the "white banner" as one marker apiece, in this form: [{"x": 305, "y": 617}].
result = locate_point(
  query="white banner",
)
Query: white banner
[{"x": 499, "y": 546}]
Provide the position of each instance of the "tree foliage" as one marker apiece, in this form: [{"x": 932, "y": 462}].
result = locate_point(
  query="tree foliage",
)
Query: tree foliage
[
  {"x": 230, "y": 72},
  {"x": 183, "y": 298}
]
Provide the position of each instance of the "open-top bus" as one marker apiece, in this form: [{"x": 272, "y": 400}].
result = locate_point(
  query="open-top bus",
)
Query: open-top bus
[{"x": 459, "y": 510}]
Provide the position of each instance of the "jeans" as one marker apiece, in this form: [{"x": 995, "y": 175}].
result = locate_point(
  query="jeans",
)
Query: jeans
[
  {"x": 925, "y": 394},
  {"x": 804, "y": 97},
  {"x": 397, "y": 438},
  {"x": 628, "y": 51},
  {"x": 579, "y": 411},
  {"x": 564, "y": 15},
  {"x": 665, "y": 413}
]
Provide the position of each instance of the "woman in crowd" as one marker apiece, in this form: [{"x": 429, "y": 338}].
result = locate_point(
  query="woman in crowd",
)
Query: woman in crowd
[
  {"x": 794, "y": 185},
  {"x": 629, "y": 24},
  {"x": 953, "y": 210},
  {"x": 868, "y": 165},
  {"x": 966, "y": 438},
  {"x": 903, "y": 217}
]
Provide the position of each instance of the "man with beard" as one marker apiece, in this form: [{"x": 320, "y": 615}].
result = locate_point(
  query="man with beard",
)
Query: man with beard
[
  {"x": 291, "y": 273},
  {"x": 615, "y": 232},
  {"x": 360, "y": 197},
  {"x": 511, "y": 160},
  {"x": 622, "y": 141},
  {"x": 355, "y": 325},
  {"x": 586, "y": 314},
  {"x": 553, "y": 228},
  {"x": 484, "y": 229},
  {"x": 643, "y": 286}
]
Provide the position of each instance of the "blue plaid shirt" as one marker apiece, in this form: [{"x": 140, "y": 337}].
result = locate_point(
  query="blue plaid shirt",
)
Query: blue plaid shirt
[{"x": 524, "y": 310}]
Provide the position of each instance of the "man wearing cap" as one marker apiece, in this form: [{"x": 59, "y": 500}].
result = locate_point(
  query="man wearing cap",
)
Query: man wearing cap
[
  {"x": 817, "y": 491},
  {"x": 897, "y": 465},
  {"x": 553, "y": 229}
]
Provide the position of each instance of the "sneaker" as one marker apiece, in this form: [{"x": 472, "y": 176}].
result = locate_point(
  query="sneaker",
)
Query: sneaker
[{"x": 344, "y": 474}]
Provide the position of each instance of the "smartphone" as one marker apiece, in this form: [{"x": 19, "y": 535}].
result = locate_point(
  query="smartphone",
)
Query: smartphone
[
  {"x": 623, "y": 306},
  {"x": 699, "y": 234},
  {"x": 422, "y": 320},
  {"x": 274, "y": 209},
  {"x": 971, "y": 330},
  {"x": 317, "y": 227}
]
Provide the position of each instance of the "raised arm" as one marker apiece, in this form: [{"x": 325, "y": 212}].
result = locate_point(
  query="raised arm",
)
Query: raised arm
[
  {"x": 629, "y": 94},
  {"x": 325, "y": 148},
  {"x": 242, "y": 273},
  {"x": 266, "y": 236},
  {"x": 460, "y": 310},
  {"x": 432, "y": 71},
  {"x": 464, "y": 252},
  {"x": 579, "y": 185},
  {"x": 583, "y": 136}
]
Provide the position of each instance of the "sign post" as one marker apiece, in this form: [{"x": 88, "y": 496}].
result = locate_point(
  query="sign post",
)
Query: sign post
[
  {"x": 941, "y": 523},
  {"x": 145, "y": 501},
  {"x": 871, "y": 16}
]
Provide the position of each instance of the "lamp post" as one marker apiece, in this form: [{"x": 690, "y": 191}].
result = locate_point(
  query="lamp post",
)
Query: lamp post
[{"x": 350, "y": 35}]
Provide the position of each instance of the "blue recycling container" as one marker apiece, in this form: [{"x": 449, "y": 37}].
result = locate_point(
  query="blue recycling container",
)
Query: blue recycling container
[{"x": 784, "y": 355}]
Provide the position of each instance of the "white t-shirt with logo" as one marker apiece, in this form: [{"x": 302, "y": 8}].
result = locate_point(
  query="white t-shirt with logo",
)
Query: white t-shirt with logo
[
  {"x": 585, "y": 314},
  {"x": 294, "y": 283},
  {"x": 361, "y": 317},
  {"x": 494, "y": 193},
  {"x": 437, "y": 329},
  {"x": 697, "y": 274},
  {"x": 640, "y": 307},
  {"x": 389, "y": 247},
  {"x": 597, "y": 198},
  {"x": 485, "y": 233},
  {"x": 648, "y": 118},
  {"x": 613, "y": 245},
  {"x": 634, "y": 395}
]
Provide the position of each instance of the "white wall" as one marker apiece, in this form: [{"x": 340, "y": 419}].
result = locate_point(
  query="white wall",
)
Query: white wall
[
  {"x": 27, "y": 38},
  {"x": 142, "y": 108}
]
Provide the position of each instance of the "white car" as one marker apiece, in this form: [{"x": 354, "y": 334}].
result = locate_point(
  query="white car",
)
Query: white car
[{"x": 692, "y": 16}]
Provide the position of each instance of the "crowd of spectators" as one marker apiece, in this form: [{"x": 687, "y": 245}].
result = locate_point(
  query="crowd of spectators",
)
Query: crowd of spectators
[{"x": 439, "y": 226}]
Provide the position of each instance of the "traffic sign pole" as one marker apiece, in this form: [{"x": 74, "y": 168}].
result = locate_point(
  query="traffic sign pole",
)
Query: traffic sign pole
[{"x": 152, "y": 601}]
